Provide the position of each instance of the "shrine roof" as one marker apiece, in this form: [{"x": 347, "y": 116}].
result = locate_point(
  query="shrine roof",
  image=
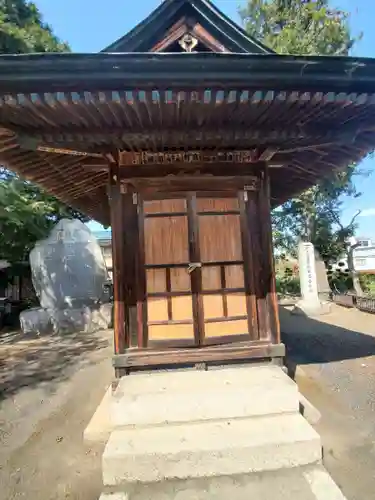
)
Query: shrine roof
[
  {"x": 195, "y": 13},
  {"x": 306, "y": 115},
  {"x": 101, "y": 71}
]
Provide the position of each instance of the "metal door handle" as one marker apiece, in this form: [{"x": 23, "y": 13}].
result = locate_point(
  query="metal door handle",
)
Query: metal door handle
[{"x": 193, "y": 265}]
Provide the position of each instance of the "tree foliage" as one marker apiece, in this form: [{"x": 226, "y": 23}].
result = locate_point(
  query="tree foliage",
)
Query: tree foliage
[
  {"x": 22, "y": 30},
  {"x": 27, "y": 213},
  {"x": 315, "y": 216},
  {"x": 299, "y": 26},
  {"x": 303, "y": 27}
]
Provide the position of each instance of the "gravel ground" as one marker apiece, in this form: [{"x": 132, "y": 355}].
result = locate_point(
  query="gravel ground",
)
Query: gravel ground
[{"x": 335, "y": 359}]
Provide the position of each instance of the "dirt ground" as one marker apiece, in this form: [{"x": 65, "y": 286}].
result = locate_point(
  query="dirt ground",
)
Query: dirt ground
[
  {"x": 334, "y": 361},
  {"x": 51, "y": 386}
]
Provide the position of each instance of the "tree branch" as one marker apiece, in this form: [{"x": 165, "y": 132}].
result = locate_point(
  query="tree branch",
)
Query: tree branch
[
  {"x": 354, "y": 218},
  {"x": 336, "y": 219}
]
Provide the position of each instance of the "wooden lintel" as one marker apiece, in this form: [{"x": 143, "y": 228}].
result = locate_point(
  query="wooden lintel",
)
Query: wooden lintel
[
  {"x": 193, "y": 183},
  {"x": 179, "y": 169}
]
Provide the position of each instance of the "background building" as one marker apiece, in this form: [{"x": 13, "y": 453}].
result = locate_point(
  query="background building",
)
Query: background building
[{"x": 105, "y": 241}]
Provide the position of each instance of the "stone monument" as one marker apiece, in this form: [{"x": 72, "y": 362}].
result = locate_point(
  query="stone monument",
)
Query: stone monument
[
  {"x": 310, "y": 303},
  {"x": 68, "y": 268},
  {"x": 324, "y": 290},
  {"x": 69, "y": 274}
]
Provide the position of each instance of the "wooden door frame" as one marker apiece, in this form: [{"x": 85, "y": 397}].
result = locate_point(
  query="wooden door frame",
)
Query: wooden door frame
[
  {"x": 196, "y": 275},
  {"x": 197, "y": 291},
  {"x": 262, "y": 302},
  {"x": 142, "y": 316},
  {"x": 252, "y": 334}
]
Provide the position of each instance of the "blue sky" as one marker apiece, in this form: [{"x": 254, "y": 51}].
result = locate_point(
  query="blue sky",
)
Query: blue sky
[{"x": 90, "y": 25}]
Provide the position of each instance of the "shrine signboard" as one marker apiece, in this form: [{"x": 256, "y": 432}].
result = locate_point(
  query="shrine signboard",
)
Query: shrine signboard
[{"x": 189, "y": 157}]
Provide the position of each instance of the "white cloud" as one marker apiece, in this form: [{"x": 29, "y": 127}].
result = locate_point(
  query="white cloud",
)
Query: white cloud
[{"x": 368, "y": 212}]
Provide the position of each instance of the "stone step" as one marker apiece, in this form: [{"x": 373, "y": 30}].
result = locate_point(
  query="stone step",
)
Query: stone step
[
  {"x": 194, "y": 396},
  {"x": 210, "y": 448},
  {"x": 299, "y": 483},
  {"x": 191, "y": 380}
]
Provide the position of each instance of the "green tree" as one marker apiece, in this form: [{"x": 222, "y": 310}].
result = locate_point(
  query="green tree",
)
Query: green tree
[
  {"x": 315, "y": 216},
  {"x": 27, "y": 213},
  {"x": 22, "y": 30},
  {"x": 299, "y": 26},
  {"x": 303, "y": 27}
]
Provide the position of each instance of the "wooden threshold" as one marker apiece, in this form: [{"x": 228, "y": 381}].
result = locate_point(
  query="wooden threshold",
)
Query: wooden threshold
[{"x": 137, "y": 358}]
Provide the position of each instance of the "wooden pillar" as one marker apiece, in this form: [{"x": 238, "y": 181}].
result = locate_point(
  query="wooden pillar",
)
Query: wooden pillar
[
  {"x": 260, "y": 259},
  {"x": 256, "y": 259},
  {"x": 120, "y": 316},
  {"x": 248, "y": 204},
  {"x": 268, "y": 279},
  {"x": 141, "y": 310},
  {"x": 130, "y": 252}
]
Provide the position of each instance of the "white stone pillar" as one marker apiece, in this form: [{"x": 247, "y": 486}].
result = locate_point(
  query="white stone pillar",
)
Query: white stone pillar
[{"x": 310, "y": 303}]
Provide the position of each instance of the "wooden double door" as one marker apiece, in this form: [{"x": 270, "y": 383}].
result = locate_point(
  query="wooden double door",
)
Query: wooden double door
[{"x": 195, "y": 271}]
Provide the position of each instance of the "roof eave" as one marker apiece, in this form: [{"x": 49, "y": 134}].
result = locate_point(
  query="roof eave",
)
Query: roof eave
[{"x": 59, "y": 72}]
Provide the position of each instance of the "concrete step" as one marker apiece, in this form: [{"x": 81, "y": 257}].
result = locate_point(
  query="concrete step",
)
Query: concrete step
[
  {"x": 299, "y": 483},
  {"x": 194, "y": 396},
  {"x": 210, "y": 448}
]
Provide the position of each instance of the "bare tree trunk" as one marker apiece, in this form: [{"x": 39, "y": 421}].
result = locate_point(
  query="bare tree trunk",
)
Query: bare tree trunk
[{"x": 309, "y": 228}]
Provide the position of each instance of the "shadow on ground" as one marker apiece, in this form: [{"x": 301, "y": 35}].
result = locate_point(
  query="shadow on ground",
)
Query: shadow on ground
[
  {"x": 26, "y": 361},
  {"x": 309, "y": 340}
]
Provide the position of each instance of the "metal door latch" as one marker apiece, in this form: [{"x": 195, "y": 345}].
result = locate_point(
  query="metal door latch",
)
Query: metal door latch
[{"x": 193, "y": 265}]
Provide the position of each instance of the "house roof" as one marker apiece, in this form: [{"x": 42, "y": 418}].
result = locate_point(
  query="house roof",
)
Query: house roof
[
  {"x": 144, "y": 36},
  {"x": 103, "y": 237}
]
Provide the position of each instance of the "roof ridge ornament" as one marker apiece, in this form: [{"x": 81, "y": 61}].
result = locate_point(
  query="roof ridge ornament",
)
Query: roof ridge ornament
[{"x": 188, "y": 42}]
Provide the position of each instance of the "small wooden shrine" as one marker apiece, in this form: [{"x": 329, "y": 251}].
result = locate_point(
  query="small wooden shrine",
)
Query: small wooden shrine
[{"x": 183, "y": 135}]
